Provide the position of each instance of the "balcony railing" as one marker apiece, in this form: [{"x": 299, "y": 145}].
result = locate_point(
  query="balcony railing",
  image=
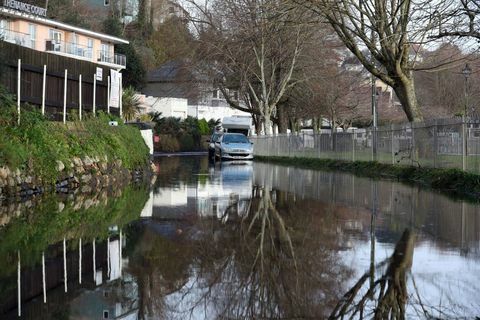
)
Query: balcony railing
[
  {"x": 20, "y": 38},
  {"x": 107, "y": 57},
  {"x": 68, "y": 48},
  {"x": 51, "y": 45}
]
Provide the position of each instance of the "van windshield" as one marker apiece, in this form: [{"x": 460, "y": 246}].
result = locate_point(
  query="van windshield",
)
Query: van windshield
[
  {"x": 235, "y": 138},
  {"x": 216, "y": 137}
]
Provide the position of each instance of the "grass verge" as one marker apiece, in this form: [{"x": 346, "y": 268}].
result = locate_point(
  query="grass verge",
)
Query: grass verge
[
  {"x": 453, "y": 182},
  {"x": 36, "y": 143}
]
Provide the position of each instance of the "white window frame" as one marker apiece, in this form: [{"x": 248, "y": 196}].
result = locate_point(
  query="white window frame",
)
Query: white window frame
[
  {"x": 57, "y": 41},
  {"x": 105, "y": 52},
  {"x": 32, "y": 30},
  {"x": 4, "y": 27},
  {"x": 90, "y": 44}
]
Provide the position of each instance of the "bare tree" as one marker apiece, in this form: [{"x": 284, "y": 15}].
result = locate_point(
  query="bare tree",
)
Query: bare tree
[
  {"x": 457, "y": 18},
  {"x": 254, "y": 47},
  {"x": 387, "y": 30}
]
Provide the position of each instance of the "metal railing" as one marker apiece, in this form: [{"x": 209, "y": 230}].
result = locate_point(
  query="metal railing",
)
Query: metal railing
[
  {"x": 445, "y": 143},
  {"x": 68, "y": 48},
  {"x": 51, "y": 45},
  {"x": 20, "y": 38},
  {"x": 107, "y": 57}
]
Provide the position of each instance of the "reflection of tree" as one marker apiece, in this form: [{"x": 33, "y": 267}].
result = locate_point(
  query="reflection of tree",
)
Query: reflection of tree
[
  {"x": 274, "y": 263},
  {"x": 389, "y": 291},
  {"x": 159, "y": 266}
]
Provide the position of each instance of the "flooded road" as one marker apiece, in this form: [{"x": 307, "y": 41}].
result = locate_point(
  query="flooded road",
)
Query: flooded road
[{"x": 242, "y": 241}]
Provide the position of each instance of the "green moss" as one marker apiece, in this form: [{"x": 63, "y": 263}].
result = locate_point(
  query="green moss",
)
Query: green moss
[
  {"x": 453, "y": 182},
  {"x": 37, "y": 143}
]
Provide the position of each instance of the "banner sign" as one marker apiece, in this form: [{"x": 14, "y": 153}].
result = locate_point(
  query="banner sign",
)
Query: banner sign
[
  {"x": 25, "y": 7},
  {"x": 114, "y": 89}
]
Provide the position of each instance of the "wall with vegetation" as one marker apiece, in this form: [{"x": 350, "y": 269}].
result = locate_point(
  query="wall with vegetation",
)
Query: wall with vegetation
[{"x": 39, "y": 152}]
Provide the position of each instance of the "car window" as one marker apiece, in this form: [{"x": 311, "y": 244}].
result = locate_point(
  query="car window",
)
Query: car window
[{"x": 235, "y": 138}]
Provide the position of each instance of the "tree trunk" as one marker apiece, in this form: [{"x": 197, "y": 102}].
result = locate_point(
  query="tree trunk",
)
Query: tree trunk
[
  {"x": 282, "y": 120},
  {"x": 257, "y": 122},
  {"x": 315, "y": 124},
  {"x": 405, "y": 90},
  {"x": 267, "y": 122}
]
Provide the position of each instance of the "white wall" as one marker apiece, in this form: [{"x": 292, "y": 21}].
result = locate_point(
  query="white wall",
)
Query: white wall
[
  {"x": 207, "y": 112},
  {"x": 169, "y": 107}
]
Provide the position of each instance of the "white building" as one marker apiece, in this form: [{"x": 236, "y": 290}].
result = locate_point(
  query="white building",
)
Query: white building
[{"x": 168, "y": 107}]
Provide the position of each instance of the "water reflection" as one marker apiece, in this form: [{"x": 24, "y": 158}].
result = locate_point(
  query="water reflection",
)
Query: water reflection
[
  {"x": 388, "y": 291},
  {"x": 256, "y": 241}
]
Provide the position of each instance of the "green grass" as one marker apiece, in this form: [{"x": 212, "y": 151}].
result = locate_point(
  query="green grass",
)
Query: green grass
[
  {"x": 453, "y": 182},
  {"x": 36, "y": 144}
]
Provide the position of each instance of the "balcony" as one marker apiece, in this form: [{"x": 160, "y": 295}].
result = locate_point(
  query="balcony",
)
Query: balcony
[
  {"x": 107, "y": 57},
  {"x": 85, "y": 52},
  {"x": 20, "y": 38},
  {"x": 68, "y": 48}
]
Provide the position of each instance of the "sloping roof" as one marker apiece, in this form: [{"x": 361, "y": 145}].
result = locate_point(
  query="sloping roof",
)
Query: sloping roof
[{"x": 168, "y": 72}]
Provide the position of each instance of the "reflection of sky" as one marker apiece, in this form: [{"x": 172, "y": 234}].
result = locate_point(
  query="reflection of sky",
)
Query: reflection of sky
[{"x": 445, "y": 280}]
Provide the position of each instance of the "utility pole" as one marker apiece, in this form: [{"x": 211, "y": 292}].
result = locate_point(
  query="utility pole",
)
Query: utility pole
[{"x": 374, "y": 116}]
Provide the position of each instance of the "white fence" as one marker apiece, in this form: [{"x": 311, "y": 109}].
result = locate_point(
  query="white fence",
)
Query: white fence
[{"x": 445, "y": 143}]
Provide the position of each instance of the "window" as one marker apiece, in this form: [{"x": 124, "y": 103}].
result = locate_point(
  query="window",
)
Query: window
[
  {"x": 74, "y": 49},
  {"x": 33, "y": 34},
  {"x": 215, "y": 94},
  {"x": 105, "y": 52},
  {"x": 4, "y": 28},
  {"x": 56, "y": 38},
  {"x": 171, "y": 10},
  {"x": 89, "y": 48},
  {"x": 105, "y": 314}
]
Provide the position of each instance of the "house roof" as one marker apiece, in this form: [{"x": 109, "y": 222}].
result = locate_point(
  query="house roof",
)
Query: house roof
[
  {"x": 168, "y": 72},
  {"x": 61, "y": 25}
]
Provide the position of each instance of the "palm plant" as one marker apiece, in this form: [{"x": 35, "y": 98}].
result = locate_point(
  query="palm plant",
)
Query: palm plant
[{"x": 130, "y": 104}]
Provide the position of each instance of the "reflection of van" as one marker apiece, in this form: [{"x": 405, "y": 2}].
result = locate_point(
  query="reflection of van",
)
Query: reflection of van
[{"x": 237, "y": 124}]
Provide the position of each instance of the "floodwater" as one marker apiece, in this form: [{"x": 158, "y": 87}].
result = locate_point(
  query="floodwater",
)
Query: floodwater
[{"x": 242, "y": 241}]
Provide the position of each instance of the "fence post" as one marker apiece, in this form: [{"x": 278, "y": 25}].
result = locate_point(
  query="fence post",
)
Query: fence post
[
  {"x": 120, "y": 96},
  {"x": 373, "y": 144},
  {"x": 19, "y": 283},
  {"x": 43, "y": 87},
  {"x": 353, "y": 145},
  {"x": 94, "y": 92},
  {"x": 65, "y": 98},
  {"x": 464, "y": 144},
  {"x": 435, "y": 144},
  {"x": 80, "y": 97},
  {"x": 393, "y": 140},
  {"x": 413, "y": 151},
  {"x": 19, "y": 80},
  {"x": 108, "y": 94}
]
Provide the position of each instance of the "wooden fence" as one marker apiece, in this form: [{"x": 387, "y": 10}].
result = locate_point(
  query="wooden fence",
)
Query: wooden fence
[{"x": 31, "y": 83}]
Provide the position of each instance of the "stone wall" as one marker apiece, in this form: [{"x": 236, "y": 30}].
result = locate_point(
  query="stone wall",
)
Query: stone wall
[{"x": 80, "y": 174}]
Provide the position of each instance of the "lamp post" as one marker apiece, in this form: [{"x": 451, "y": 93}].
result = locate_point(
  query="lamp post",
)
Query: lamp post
[
  {"x": 467, "y": 71},
  {"x": 374, "y": 116}
]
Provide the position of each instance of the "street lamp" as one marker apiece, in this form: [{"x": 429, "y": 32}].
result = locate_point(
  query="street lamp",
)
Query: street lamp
[{"x": 467, "y": 71}]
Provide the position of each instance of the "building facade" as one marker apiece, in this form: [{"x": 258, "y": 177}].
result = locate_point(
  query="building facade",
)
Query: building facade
[{"x": 41, "y": 34}]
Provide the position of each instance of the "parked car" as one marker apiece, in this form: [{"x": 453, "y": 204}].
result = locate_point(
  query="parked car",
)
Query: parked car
[
  {"x": 234, "y": 146},
  {"x": 211, "y": 143}
]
